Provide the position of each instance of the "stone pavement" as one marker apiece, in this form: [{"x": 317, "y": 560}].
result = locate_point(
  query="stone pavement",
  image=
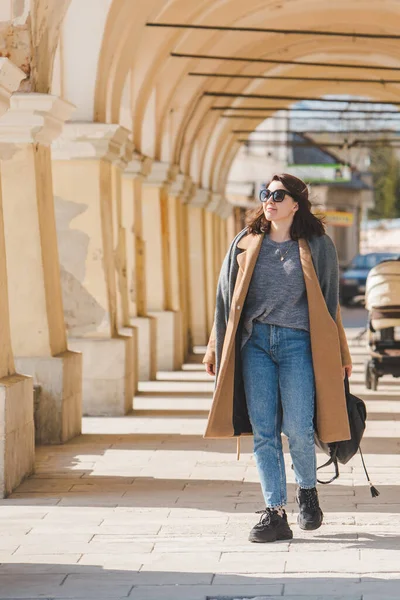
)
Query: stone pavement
[{"x": 143, "y": 507}]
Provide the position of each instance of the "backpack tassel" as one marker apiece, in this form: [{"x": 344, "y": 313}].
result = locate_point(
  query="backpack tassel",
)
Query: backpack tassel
[{"x": 374, "y": 491}]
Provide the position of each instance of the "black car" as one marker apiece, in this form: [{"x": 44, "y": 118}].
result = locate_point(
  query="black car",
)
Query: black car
[{"x": 353, "y": 279}]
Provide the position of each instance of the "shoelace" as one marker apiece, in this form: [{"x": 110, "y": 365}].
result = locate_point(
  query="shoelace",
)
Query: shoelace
[
  {"x": 266, "y": 515},
  {"x": 310, "y": 497},
  {"x": 265, "y": 518}
]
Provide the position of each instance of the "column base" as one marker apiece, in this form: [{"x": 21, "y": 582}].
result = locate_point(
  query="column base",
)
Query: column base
[
  {"x": 147, "y": 343},
  {"x": 17, "y": 432},
  {"x": 108, "y": 375},
  {"x": 58, "y": 403},
  {"x": 169, "y": 340},
  {"x": 132, "y": 332}
]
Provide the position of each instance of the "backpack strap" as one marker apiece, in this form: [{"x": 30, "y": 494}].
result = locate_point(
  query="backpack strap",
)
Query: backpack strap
[
  {"x": 374, "y": 491},
  {"x": 332, "y": 460}
]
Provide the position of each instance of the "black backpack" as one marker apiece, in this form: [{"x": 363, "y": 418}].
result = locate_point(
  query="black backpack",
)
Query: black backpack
[{"x": 345, "y": 450}]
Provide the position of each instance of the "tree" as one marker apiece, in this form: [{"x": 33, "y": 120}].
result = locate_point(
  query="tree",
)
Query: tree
[{"x": 385, "y": 169}]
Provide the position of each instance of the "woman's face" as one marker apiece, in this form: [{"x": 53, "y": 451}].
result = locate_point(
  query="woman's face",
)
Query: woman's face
[{"x": 279, "y": 211}]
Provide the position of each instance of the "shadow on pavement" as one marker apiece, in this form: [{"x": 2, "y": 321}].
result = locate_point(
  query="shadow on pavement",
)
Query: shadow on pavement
[
  {"x": 227, "y": 496},
  {"x": 67, "y": 581}
]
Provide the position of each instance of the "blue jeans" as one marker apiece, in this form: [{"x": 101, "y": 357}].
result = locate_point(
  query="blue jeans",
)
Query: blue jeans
[{"x": 280, "y": 394}]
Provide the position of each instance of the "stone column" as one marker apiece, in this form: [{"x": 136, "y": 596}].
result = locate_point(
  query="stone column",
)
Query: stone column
[
  {"x": 225, "y": 211},
  {"x": 178, "y": 194},
  {"x": 213, "y": 254},
  {"x": 122, "y": 226},
  {"x": 119, "y": 237},
  {"x": 217, "y": 212},
  {"x": 36, "y": 310},
  {"x": 83, "y": 186},
  {"x": 197, "y": 265},
  {"x": 17, "y": 432},
  {"x": 134, "y": 173},
  {"x": 187, "y": 197},
  {"x": 156, "y": 233},
  {"x": 231, "y": 227}
]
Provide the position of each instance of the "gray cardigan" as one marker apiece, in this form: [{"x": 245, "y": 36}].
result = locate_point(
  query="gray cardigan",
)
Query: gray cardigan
[{"x": 325, "y": 262}]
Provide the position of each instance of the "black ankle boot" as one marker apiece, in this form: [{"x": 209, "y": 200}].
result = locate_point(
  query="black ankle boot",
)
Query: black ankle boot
[
  {"x": 271, "y": 527},
  {"x": 310, "y": 515}
]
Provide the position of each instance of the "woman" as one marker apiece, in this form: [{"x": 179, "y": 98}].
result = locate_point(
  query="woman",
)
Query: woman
[{"x": 279, "y": 351}]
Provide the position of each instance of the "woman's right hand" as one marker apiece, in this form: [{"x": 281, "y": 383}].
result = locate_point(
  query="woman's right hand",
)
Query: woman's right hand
[{"x": 210, "y": 368}]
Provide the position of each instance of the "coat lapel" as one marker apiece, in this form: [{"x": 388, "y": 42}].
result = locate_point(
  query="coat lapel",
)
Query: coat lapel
[
  {"x": 246, "y": 261},
  {"x": 332, "y": 422},
  {"x": 251, "y": 245},
  {"x": 220, "y": 421}
]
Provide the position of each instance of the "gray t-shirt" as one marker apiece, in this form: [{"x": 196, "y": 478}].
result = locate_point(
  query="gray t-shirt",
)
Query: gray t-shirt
[{"x": 277, "y": 292}]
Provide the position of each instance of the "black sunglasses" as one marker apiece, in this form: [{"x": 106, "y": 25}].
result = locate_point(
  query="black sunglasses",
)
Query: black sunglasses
[{"x": 277, "y": 195}]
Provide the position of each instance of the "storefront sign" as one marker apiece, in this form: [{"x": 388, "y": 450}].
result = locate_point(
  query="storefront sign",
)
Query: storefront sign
[{"x": 338, "y": 218}]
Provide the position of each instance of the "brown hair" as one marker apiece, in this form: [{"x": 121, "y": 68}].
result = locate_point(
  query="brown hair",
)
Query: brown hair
[{"x": 305, "y": 223}]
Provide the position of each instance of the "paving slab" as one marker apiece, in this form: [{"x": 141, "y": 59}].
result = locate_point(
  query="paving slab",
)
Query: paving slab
[
  {"x": 144, "y": 507},
  {"x": 201, "y": 592},
  {"x": 30, "y": 586}
]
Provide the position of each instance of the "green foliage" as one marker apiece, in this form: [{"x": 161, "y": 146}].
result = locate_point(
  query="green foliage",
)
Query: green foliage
[{"x": 385, "y": 169}]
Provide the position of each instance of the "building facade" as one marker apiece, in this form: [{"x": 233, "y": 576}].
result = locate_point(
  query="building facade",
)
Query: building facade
[{"x": 114, "y": 158}]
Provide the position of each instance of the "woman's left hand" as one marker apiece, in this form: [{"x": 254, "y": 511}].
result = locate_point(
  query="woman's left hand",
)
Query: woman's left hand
[{"x": 347, "y": 370}]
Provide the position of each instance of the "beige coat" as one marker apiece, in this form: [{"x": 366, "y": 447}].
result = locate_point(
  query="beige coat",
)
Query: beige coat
[{"x": 328, "y": 343}]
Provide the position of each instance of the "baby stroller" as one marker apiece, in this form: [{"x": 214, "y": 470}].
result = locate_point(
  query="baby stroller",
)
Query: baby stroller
[{"x": 382, "y": 300}]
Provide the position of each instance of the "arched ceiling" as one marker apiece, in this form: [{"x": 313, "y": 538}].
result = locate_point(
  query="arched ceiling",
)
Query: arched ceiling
[{"x": 129, "y": 47}]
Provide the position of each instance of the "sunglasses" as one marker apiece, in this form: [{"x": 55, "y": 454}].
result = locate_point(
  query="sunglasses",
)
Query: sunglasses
[{"x": 277, "y": 195}]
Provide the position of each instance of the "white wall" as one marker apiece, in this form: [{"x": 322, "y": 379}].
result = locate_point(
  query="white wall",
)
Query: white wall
[
  {"x": 5, "y": 10},
  {"x": 257, "y": 164},
  {"x": 82, "y": 39}
]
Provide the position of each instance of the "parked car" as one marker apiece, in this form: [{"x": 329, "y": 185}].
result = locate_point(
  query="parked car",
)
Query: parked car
[{"x": 354, "y": 277}]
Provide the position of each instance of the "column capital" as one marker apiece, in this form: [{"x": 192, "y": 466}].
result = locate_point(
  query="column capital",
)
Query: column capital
[
  {"x": 91, "y": 141},
  {"x": 138, "y": 166},
  {"x": 127, "y": 151},
  {"x": 10, "y": 79},
  {"x": 34, "y": 119},
  {"x": 215, "y": 201},
  {"x": 181, "y": 186},
  {"x": 200, "y": 198},
  {"x": 161, "y": 174},
  {"x": 189, "y": 193},
  {"x": 225, "y": 209}
]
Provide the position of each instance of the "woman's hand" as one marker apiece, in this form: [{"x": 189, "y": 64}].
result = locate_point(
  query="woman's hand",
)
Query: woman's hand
[
  {"x": 347, "y": 370},
  {"x": 210, "y": 368}
]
